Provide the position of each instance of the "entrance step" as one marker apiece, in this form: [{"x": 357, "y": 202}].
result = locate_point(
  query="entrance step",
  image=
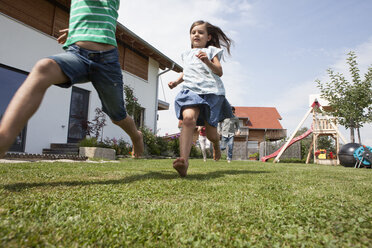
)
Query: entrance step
[{"x": 66, "y": 149}]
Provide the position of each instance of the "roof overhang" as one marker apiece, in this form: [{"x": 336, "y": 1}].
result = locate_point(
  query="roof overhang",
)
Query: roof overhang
[
  {"x": 124, "y": 35},
  {"x": 162, "y": 105}
]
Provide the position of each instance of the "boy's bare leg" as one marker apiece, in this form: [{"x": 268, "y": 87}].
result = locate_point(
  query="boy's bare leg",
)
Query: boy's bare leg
[
  {"x": 213, "y": 136},
  {"x": 190, "y": 116},
  {"x": 135, "y": 135},
  {"x": 27, "y": 99}
]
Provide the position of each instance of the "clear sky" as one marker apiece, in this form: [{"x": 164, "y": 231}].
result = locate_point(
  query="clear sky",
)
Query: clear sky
[{"x": 280, "y": 49}]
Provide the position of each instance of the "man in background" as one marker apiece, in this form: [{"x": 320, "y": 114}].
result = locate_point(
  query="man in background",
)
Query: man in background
[{"x": 227, "y": 129}]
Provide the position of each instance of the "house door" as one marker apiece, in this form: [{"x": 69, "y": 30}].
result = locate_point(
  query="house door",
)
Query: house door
[
  {"x": 77, "y": 126},
  {"x": 10, "y": 80}
]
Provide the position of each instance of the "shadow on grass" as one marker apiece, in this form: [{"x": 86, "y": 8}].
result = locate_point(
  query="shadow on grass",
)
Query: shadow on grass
[{"x": 165, "y": 175}]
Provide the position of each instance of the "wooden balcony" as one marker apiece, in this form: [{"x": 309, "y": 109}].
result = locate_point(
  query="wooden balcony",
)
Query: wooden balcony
[
  {"x": 244, "y": 131},
  {"x": 277, "y": 134},
  {"x": 261, "y": 134}
]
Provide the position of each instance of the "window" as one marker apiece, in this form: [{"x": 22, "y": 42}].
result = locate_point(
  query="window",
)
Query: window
[
  {"x": 139, "y": 118},
  {"x": 77, "y": 127},
  {"x": 10, "y": 80},
  {"x": 252, "y": 145}
]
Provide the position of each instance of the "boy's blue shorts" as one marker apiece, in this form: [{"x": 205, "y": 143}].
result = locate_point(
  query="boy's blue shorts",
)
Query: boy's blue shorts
[
  {"x": 102, "y": 68},
  {"x": 213, "y": 108}
]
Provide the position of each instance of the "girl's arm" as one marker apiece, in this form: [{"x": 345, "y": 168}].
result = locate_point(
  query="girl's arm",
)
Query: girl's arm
[
  {"x": 177, "y": 82},
  {"x": 213, "y": 64}
]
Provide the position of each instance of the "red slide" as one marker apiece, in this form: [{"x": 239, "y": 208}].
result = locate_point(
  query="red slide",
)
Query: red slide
[{"x": 294, "y": 140}]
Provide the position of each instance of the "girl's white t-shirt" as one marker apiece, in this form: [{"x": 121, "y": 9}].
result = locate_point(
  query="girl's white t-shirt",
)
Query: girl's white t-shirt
[{"x": 197, "y": 76}]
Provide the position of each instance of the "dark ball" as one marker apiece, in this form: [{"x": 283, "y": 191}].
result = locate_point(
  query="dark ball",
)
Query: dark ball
[{"x": 346, "y": 154}]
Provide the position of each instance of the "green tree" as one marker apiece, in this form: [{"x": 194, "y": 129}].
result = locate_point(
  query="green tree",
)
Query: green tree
[
  {"x": 327, "y": 143},
  {"x": 131, "y": 104},
  {"x": 351, "y": 102},
  {"x": 305, "y": 143},
  {"x": 96, "y": 126}
]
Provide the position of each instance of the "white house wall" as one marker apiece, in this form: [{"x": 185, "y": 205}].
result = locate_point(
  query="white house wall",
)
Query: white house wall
[
  {"x": 145, "y": 91},
  {"x": 21, "y": 47}
]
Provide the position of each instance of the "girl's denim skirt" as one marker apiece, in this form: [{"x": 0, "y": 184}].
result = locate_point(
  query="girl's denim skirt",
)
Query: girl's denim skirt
[{"x": 213, "y": 108}]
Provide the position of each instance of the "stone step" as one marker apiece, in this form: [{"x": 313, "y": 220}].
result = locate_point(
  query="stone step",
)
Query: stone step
[
  {"x": 64, "y": 145},
  {"x": 61, "y": 151}
]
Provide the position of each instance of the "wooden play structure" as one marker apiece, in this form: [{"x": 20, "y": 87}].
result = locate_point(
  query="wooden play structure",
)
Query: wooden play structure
[{"x": 322, "y": 125}]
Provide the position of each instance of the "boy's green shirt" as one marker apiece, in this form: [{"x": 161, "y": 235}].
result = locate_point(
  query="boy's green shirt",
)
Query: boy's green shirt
[{"x": 93, "y": 20}]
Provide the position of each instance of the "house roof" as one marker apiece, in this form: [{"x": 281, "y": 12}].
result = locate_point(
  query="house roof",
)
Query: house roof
[
  {"x": 162, "y": 105},
  {"x": 259, "y": 117}
]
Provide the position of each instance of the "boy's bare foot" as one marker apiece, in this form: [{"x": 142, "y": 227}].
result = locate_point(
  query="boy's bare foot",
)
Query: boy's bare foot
[
  {"x": 137, "y": 146},
  {"x": 3, "y": 149},
  {"x": 181, "y": 166},
  {"x": 216, "y": 152}
]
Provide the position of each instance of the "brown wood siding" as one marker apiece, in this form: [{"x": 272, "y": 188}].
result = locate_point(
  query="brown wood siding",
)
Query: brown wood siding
[
  {"x": 121, "y": 54},
  {"x": 254, "y": 135},
  {"x": 64, "y": 2},
  {"x": 49, "y": 18},
  {"x": 136, "y": 64},
  {"x": 37, "y": 13},
  {"x": 60, "y": 21}
]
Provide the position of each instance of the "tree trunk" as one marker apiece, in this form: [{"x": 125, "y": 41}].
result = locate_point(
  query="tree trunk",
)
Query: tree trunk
[
  {"x": 360, "y": 141},
  {"x": 352, "y": 137},
  {"x": 352, "y": 128}
]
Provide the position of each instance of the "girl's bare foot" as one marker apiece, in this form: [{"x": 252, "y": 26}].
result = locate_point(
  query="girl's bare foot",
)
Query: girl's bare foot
[
  {"x": 216, "y": 151},
  {"x": 181, "y": 166},
  {"x": 137, "y": 146}
]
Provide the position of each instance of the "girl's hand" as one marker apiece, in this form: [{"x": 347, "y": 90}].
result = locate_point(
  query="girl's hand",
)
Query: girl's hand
[
  {"x": 203, "y": 56},
  {"x": 63, "y": 36},
  {"x": 172, "y": 84}
]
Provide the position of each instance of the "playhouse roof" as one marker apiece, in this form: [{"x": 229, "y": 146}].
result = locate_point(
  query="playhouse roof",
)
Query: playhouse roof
[{"x": 259, "y": 117}]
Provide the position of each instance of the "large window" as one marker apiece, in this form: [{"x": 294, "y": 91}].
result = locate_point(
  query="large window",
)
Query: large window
[
  {"x": 10, "y": 80},
  {"x": 77, "y": 127},
  {"x": 139, "y": 118}
]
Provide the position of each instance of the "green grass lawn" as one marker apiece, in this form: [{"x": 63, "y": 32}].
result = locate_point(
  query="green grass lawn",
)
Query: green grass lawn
[{"x": 138, "y": 203}]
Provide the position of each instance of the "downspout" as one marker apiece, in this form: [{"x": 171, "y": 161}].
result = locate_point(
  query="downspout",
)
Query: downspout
[
  {"x": 156, "y": 96},
  {"x": 265, "y": 147}
]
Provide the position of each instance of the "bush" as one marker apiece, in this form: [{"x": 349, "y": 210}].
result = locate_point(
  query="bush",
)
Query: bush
[
  {"x": 254, "y": 155},
  {"x": 121, "y": 147},
  {"x": 154, "y": 145},
  {"x": 88, "y": 142},
  {"x": 150, "y": 141},
  {"x": 163, "y": 146},
  {"x": 195, "y": 152},
  {"x": 174, "y": 146}
]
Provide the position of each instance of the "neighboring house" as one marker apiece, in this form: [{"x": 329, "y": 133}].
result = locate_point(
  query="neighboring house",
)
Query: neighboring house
[
  {"x": 257, "y": 124},
  {"x": 28, "y": 33}
]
